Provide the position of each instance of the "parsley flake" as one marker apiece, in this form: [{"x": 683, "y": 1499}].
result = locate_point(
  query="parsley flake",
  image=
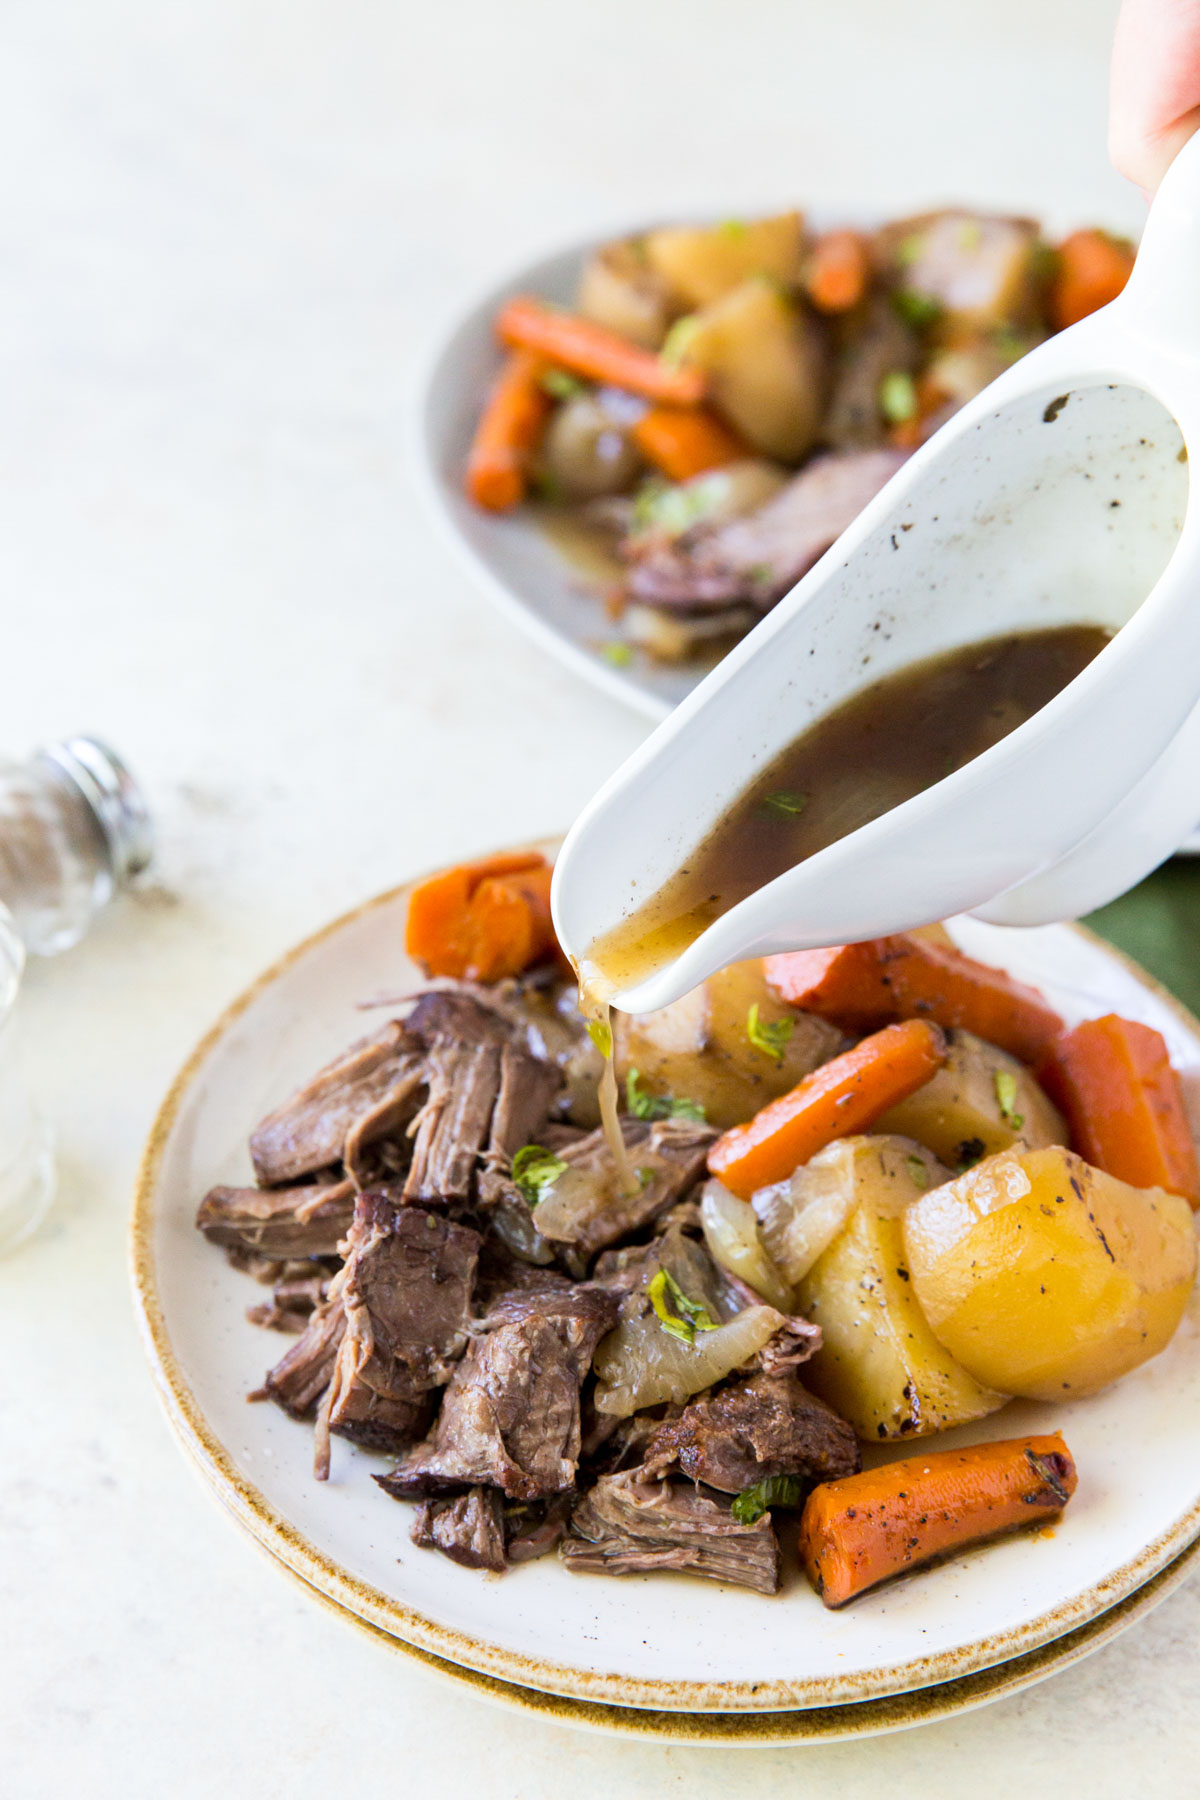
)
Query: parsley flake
[
  {"x": 970, "y": 1151},
  {"x": 776, "y": 1490},
  {"x": 1006, "y": 1098},
  {"x": 771, "y": 1038},
  {"x": 658, "y": 1106},
  {"x": 898, "y": 397},
  {"x": 920, "y": 311},
  {"x": 680, "y": 1317},
  {"x": 617, "y": 654},
  {"x": 919, "y": 1173},
  {"x": 534, "y": 1169},
  {"x": 785, "y": 803},
  {"x": 675, "y": 344},
  {"x": 559, "y": 385}
]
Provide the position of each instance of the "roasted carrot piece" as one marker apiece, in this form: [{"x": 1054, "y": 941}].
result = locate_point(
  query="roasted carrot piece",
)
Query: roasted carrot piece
[
  {"x": 838, "y": 271},
  {"x": 1091, "y": 268},
  {"x": 859, "y": 986},
  {"x": 482, "y": 920},
  {"x": 864, "y": 1529},
  {"x": 838, "y": 1099},
  {"x": 1113, "y": 1079},
  {"x": 682, "y": 441},
  {"x": 595, "y": 352},
  {"x": 509, "y": 431}
]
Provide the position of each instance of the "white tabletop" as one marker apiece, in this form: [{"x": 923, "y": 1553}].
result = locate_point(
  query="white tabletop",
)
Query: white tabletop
[{"x": 228, "y": 231}]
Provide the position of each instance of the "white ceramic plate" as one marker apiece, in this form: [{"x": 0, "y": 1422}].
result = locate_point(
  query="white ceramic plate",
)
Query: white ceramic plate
[
  {"x": 670, "y": 1644},
  {"x": 511, "y": 556}
]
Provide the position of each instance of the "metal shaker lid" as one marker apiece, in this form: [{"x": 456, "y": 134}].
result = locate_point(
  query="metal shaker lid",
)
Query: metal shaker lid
[{"x": 112, "y": 796}]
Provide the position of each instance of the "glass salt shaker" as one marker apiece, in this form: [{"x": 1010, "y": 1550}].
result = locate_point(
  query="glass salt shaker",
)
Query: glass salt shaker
[{"x": 74, "y": 828}]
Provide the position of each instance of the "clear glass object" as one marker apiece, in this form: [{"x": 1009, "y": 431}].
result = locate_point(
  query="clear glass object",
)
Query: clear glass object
[{"x": 73, "y": 829}]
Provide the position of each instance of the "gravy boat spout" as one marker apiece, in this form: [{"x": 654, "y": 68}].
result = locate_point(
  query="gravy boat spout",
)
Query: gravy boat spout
[{"x": 1057, "y": 497}]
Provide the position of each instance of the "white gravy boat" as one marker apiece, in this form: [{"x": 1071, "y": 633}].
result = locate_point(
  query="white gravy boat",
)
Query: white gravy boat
[{"x": 1058, "y": 496}]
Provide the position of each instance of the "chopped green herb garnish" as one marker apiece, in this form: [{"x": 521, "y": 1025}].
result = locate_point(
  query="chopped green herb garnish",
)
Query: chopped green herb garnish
[
  {"x": 919, "y": 1173},
  {"x": 898, "y": 397},
  {"x": 645, "y": 1177},
  {"x": 776, "y": 1490},
  {"x": 657, "y": 1106},
  {"x": 616, "y": 653},
  {"x": 560, "y": 385},
  {"x": 784, "y": 802},
  {"x": 771, "y": 1038},
  {"x": 918, "y": 310},
  {"x": 1006, "y": 1098},
  {"x": 676, "y": 342},
  {"x": 970, "y": 1151},
  {"x": 545, "y": 485},
  {"x": 732, "y": 228},
  {"x": 970, "y": 234},
  {"x": 909, "y": 249},
  {"x": 687, "y": 1317},
  {"x": 600, "y": 1032},
  {"x": 661, "y": 506},
  {"x": 762, "y": 574},
  {"x": 534, "y": 1169}
]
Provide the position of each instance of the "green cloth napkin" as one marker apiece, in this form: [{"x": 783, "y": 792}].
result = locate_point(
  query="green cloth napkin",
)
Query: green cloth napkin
[{"x": 1158, "y": 924}]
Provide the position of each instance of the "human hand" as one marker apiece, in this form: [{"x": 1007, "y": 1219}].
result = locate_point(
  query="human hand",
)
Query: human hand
[{"x": 1154, "y": 89}]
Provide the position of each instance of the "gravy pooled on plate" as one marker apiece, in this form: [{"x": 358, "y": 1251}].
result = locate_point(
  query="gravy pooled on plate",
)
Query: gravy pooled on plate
[{"x": 883, "y": 746}]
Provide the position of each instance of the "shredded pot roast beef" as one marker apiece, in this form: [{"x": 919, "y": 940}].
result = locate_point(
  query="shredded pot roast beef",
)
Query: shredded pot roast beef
[{"x": 447, "y": 1310}]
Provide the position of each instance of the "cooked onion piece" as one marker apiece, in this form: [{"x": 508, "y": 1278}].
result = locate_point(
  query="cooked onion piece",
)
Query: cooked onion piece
[
  {"x": 732, "y": 1234},
  {"x": 641, "y": 1364}
]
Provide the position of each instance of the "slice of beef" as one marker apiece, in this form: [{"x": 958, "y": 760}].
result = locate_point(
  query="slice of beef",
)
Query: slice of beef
[
  {"x": 510, "y": 1417},
  {"x": 309, "y": 1220},
  {"x": 305, "y": 1370},
  {"x": 533, "y": 1530},
  {"x": 294, "y": 1300},
  {"x": 769, "y": 1425},
  {"x": 628, "y": 1525},
  {"x": 587, "y": 1207},
  {"x": 379, "y": 1077},
  {"x": 487, "y": 1095},
  {"x": 406, "y": 1288},
  {"x": 468, "y": 1529},
  {"x": 759, "y": 557}
]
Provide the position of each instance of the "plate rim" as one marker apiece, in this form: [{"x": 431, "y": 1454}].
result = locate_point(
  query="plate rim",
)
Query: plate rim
[{"x": 276, "y": 1534}]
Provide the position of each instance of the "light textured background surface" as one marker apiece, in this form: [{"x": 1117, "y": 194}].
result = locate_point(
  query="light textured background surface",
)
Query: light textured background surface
[{"x": 227, "y": 232}]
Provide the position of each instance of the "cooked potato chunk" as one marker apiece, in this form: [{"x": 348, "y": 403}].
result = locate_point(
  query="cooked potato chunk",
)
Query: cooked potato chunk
[
  {"x": 699, "y": 1047},
  {"x": 618, "y": 288},
  {"x": 981, "y": 1100},
  {"x": 766, "y": 364},
  {"x": 1047, "y": 1277},
  {"x": 880, "y": 1365},
  {"x": 700, "y": 263},
  {"x": 979, "y": 272}
]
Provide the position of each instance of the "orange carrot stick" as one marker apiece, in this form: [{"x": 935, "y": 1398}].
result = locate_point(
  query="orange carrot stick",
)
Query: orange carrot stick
[
  {"x": 838, "y": 1099},
  {"x": 509, "y": 431},
  {"x": 482, "y": 920},
  {"x": 838, "y": 272},
  {"x": 1091, "y": 268},
  {"x": 1113, "y": 1079},
  {"x": 864, "y": 1529},
  {"x": 859, "y": 986},
  {"x": 595, "y": 352},
  {"x": 683, "y": 441}
]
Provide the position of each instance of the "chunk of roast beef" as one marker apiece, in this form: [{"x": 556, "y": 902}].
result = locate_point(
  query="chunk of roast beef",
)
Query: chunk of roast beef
[
  {"x": 305, "y": 1370},
  {"x": 487, "y": 1094},
  {"x": 531, "y": 1531},
  {"x": 295, "y": 1297},
  {"x": 629, "y": 1525},
  {"x": 769, "y": 1425},
  {"x": 378, "y": 1080},
  {"x": 468, "y": 1529},
  {"x": 510, "y": 1416},
  {"x": 406, "y": 1288},
  {"x": 587, "y": 1207},
  {"x": 309, "y": 1220},
  {"x": 759, "y": 557}
]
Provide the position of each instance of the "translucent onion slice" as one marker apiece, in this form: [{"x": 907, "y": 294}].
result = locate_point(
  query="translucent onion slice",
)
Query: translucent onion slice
[
  {"x": 732, "y": 1235},
  {"x": 800, "y": 1217},
  {"x": 639, "y": 1364}
]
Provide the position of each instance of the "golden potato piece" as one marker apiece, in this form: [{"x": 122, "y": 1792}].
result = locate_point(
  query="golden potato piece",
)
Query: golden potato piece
[
  {"x": 980, "y": 1101},
  {"x": 699, "y": 1048},
  {"x": 880, "y": 1365},
  {"x": 1047, "y": 1277},
  {"x": 766, "y": 365},
  {"x": 701, "y": 263}
]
